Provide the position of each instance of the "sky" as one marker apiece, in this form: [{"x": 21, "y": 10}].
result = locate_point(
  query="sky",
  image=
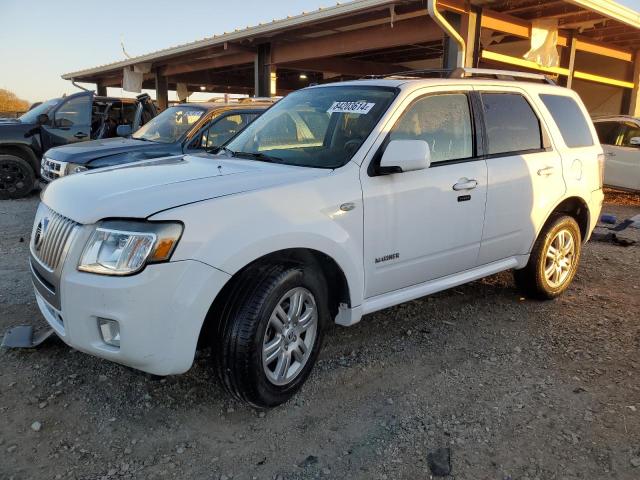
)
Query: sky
[{"x": 42, "y": 39}]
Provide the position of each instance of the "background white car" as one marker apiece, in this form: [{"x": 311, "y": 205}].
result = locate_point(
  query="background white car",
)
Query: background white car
[{"x": 620, "y": 139}]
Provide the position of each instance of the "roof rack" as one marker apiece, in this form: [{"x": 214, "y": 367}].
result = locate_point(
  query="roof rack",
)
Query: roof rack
[
  {"x": 499, "y": 75},
  {"x": 467, "y": 73}
]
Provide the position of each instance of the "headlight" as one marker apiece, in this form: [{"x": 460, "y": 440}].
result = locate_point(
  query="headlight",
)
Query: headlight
[
  {"x": 72, "y": 168},
  {"x": 125, "y": 247}
]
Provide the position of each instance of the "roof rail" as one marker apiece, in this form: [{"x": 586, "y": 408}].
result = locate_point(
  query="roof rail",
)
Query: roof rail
[
  {"x": 465, "y": 73},
  {"x": 499, "y": 74},
  {"x": 425, "y": 73}
]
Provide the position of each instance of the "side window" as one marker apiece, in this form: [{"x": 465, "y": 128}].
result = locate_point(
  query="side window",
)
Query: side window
[
  {"x": 631, "y": 131},
  {"x": 569, "y": 119},
  {"x": 443, "y": 121},
  {"x": 222, "y": 129},
  {"x": 608, "y": 132},
  {"x": 512, "y": 125},
  {"x": 76, "y": 111}
]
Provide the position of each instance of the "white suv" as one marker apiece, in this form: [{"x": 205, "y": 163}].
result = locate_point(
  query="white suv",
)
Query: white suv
[{"x": 340, "y": 200}]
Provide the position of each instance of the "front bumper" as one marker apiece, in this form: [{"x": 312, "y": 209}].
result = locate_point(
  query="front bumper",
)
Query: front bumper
[{"x": 160, "y": 312}]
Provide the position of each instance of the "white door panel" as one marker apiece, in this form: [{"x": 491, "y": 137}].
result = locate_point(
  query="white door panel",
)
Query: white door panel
[
  {"x": 522, "y": 191},
  {"x": 417, "y": 227},
  {"x": 622, "y": 166}
]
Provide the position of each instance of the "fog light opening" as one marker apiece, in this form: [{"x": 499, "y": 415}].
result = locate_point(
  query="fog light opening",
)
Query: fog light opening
[{"x": 110, "y": 331}]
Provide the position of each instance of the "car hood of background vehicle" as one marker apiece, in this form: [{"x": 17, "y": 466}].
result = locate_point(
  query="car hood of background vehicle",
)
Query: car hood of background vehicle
[
  {"x": 138, "y": 190},
  {"x": 85, "y": 152}
]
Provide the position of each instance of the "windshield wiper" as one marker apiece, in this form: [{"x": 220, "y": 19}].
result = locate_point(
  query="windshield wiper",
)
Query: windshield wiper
[
  {"x": 217, "y": 150},
  {"x": 262, "y": 157}
]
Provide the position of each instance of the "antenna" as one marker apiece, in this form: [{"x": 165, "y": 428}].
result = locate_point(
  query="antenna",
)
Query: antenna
[{"x": 122, "y": 45}]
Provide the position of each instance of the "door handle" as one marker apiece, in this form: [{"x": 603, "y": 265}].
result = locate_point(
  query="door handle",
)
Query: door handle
[
  {"x": 610, "y": 154},
  {"x": 546, "y": 171},
  {"x": 80, "y": 135},
  {"x": 465, "y": 184}
]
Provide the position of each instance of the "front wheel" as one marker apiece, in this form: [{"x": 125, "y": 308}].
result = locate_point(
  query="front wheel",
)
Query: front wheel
[
  {"x": 554, "y": 260},
  {"x": 17, "y": 178},
  {"x": 270, "y": 333}
]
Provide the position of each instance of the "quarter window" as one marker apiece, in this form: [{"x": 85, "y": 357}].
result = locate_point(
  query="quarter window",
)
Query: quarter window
[
  {"x": 443, "y": 121},
  {"x": 569, "y": 119},
  {"x": 512, "y": 125}
]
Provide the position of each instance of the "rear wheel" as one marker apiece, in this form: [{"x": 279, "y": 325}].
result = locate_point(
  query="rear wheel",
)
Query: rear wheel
[
  {"x": 270, "y": 333},
  {"x": 554, "y": 259},
  {"x": 17, "y": 178}
]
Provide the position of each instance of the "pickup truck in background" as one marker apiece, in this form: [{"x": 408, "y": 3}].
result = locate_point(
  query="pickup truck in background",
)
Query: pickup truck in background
[{"x": 60, "y": 121}]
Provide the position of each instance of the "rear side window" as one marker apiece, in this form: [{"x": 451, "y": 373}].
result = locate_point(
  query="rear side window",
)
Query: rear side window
[
  {"x": 608, "y": 132},
  {"x": 512, "y": 125},
  {"x": 569, "y": 119}
]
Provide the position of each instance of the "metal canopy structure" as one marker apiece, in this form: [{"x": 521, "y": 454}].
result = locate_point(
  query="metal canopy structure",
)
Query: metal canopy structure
[{"x": 598, "y": 41}]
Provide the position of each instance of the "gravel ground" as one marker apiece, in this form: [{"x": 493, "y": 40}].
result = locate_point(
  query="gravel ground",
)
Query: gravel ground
[{"x": 514, "y": 389}]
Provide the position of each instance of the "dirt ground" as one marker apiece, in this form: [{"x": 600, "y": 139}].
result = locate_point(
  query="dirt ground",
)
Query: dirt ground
[{"x": 517, "y": 389}]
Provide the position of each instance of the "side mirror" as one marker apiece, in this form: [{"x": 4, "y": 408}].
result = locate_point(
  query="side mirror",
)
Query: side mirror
[
  {"x": 123, "y": 130},
  {"x": 405, "y": 156},
  {"x": 42, "y": 119},
  {"x": 634, "y": 141}
]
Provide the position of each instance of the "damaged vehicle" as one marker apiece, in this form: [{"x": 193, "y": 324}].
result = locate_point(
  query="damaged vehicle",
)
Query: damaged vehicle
[
  {"x": 183, "y": 128},
  {"x": 72, "y": 119},
  {"x": 339, "y": 201}
]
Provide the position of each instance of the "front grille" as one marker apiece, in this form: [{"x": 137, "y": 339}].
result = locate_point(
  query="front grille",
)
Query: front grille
[
  {"x": 52, "y": 169},
  {"x": 50, "y": 238}
]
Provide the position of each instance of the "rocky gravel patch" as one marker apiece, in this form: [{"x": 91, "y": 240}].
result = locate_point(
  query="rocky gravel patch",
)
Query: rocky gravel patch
[{"x": 477, "y": 379}]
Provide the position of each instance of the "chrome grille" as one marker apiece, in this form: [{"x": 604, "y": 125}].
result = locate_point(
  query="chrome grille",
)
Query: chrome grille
[
  {"x": 52, "y": 169},
  {"x": 50, "y": 238}
]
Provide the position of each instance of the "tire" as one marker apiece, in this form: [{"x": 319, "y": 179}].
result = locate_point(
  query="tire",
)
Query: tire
[
  {"x": 247, "y": 327},
  {"x": 542, "y": 278},
  {"x": 17, "y": 178}
]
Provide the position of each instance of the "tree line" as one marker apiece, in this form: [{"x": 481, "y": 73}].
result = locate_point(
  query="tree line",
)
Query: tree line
[{"x": 9, "y": 102}]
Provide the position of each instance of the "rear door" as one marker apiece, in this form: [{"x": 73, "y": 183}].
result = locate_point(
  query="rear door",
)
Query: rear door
[
  {"x": 70, "y": 122},
  {"x": 525, "y": 178}
]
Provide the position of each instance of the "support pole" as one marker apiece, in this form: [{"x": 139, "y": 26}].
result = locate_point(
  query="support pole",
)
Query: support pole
[
  {"x": 568, "y": 61},
  {"x": 265, "y": 72},
  {"x": 470, "y": 32},
  {"x": 634, "y": 104},
  {"x": 162, "y": 91},
  {"x": 101, "y": 90}
]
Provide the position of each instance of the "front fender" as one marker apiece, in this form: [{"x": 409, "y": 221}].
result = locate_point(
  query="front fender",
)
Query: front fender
[{"x": 231, "y": 232}]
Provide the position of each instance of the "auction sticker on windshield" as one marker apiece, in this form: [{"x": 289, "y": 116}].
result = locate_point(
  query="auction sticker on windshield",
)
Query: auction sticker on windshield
[{"x": 359, "y": 108}]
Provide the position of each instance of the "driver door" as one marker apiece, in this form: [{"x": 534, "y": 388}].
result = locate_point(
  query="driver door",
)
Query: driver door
[
  {"x": 70, "y": 122},
  {"x": 423, "y": 225}
]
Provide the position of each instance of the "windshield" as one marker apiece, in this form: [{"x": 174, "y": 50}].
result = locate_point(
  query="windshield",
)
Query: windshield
[
  {"x": 170, "y": 125},
  {"x": 316, "y": 127},
  {"x": 32, "y": 115}
]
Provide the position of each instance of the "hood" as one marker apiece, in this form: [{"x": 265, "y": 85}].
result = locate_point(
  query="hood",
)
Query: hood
[
  {"x": 15, "y": 130},
  {"x": 138, "y": 190},
  {"x": 9, "y": 120},
  {"x": 86, "y": 152}
]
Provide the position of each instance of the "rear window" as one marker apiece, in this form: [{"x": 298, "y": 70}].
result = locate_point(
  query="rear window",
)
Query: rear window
[
  {"x": 512, "y": 125},
  {"x": 569, "y": 119}
]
